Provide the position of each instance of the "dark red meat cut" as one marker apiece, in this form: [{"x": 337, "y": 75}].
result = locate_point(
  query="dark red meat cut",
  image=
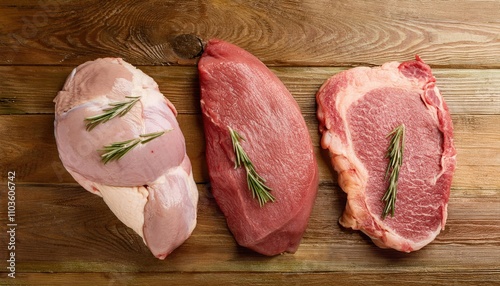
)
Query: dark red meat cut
[
  {"x": 357, "y": 109},
  {"x": 239, "y": 91}
]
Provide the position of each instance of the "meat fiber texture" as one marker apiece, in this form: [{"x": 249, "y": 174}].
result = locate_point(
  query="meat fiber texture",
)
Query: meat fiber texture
[
  {"x": 357, "y": 109},
  {"x": 239, "y": 91},
  {"x": 150, "y": 189}
]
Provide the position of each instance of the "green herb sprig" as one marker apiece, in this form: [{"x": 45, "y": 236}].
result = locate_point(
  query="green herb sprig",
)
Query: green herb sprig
[
  {"x": 117, "y": 109},
  {"x": 255, "y": 182},
  {"x": 395, "y": 156},
  {"x": 116, "y": 150}
]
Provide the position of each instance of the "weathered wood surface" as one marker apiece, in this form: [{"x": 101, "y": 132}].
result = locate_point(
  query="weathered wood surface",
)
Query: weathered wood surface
[
  {"x": 35, "y": 157},
  {"x": 314, "y": 279},
  {"x": 31, "y": 89},
  {"x": 297, "y": 33},
  {"x": 67, "y": 235}
]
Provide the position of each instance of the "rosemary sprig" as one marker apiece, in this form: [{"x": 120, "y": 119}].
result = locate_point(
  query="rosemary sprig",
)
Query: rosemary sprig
[
  {"x": 395, "y": 156},
  {"x": 255, "y": 182},
  {"x": 117, "y": 109},
  {"x": 116, "y": 150}
]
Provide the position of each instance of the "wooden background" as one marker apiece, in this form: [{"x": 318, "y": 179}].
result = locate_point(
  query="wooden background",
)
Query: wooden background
[{"x": 67, "y": 235}]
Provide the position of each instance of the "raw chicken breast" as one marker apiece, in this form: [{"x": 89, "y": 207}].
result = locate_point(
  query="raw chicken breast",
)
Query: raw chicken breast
[{"x": 151, "y": 188}]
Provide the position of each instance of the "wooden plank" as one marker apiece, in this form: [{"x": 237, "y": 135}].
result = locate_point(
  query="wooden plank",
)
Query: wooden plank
[
  {"x": 29, "y": 148},
  {"x": 389, "y": 278},
  {"x": 318, "y": 33},
  {"x": 31, "y": 89},
  {"x": 67, "y": 235},
  {"x": 63, "y": 228}
]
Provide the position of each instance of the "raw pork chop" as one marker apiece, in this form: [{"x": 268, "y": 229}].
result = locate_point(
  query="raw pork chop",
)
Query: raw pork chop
[
  {"x": 239, "y": 91},
  {"x": 151, "y": 188},
  {"x": 357, "y": 109}
]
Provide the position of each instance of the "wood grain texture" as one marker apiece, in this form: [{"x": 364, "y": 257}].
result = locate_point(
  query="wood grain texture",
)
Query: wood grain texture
[
  {"x": 36, "y": 160},
  {"x": 63, "y": 228},
  {"x": 292, "y": 33},
  {"x": 68, "y": 236},
  {"x": 31, "y": 89},
  {"x": 366, "y": 279},
  {"x": 261, "y": 279}
]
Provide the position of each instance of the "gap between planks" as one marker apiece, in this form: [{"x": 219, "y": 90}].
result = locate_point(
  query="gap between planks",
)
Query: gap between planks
[{"x": 31, "y": 90}]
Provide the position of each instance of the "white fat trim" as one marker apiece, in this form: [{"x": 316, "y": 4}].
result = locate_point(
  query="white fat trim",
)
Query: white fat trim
[
  {"x": 395, "y": 241},
  {"x": 127, "y": 203},
  {"x": 72, "y": 75}
]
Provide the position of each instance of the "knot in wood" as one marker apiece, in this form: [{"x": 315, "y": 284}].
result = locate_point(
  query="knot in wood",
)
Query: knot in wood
[{"x": 187, "y": 46}]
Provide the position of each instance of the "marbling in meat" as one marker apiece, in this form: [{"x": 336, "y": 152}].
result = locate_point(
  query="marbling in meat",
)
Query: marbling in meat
[{"x": 357, "y": 109}]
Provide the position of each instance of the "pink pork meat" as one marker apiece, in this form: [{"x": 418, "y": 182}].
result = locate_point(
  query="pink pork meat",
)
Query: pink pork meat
[
  {"x": 357, "y": 109},
  {"x": 151, "y": 188},
  {"x": 240, "y": 92}
]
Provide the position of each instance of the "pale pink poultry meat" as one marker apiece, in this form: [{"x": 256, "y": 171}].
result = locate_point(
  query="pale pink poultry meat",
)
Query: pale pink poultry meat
[{"x": 151, "y": 188}]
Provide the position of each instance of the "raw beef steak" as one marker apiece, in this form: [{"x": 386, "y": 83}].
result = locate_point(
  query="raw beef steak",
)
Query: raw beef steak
[
  {"x": 240, "y": 92},
  {"x": 357, "y": 109}
]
